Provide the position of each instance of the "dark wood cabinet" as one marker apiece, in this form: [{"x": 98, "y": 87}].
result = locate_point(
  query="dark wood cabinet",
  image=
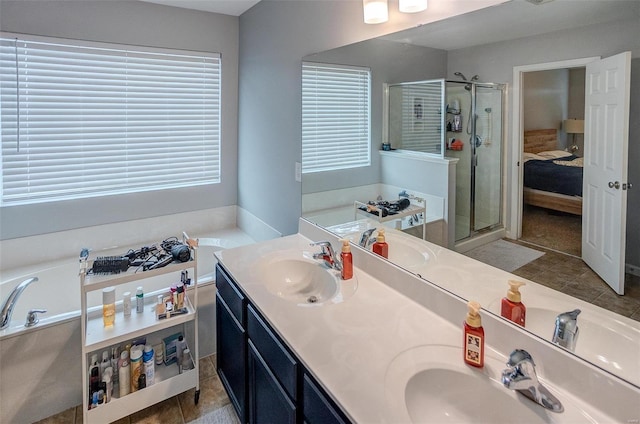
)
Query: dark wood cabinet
[{"x": 263, "y": 377}]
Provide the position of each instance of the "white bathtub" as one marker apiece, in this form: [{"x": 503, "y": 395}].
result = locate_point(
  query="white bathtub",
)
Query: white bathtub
[{"x": 58, "y": 287}]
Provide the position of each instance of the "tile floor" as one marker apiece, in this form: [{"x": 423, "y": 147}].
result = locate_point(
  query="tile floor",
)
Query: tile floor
[
  {"x": 176, "y": 410},
  {"x": 572, "y": 276}
]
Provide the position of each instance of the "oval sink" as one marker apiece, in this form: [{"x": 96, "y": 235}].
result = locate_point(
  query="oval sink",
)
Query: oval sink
[
  {"x": 432, "y": 384},
  {"x": 297, "y": 278},
  {"x": 407, "y": 251}
]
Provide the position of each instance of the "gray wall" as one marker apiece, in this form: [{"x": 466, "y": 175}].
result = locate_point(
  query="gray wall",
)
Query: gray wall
[
  {"x": 274, "y": 37},
  {"x": 137, "y": 23},
  {"x": 495, "y": 62},
  {"x": 389, "y": 62},
  {"x": 546, "y": 98}
]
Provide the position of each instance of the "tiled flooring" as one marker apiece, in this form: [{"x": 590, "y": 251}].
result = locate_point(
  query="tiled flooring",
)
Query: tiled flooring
[
  {"x": 176, "y": 410},
  {"x": 572, "y": 276}
]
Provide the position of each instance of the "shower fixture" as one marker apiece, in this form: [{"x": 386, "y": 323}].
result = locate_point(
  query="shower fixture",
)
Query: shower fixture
[{"x": 461, "y": 75}]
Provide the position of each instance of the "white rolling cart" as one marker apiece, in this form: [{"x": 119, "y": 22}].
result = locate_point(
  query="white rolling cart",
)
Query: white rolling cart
[
  {"x": 96, "y": 337},
  {"x": 418, "y": 206}
]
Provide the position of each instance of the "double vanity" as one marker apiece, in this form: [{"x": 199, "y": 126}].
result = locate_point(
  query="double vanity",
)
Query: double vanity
[{"x": 298, "y": 344}]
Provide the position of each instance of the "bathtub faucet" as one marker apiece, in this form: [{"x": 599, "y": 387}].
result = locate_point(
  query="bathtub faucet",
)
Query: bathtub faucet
[{"x": 7, "y": 307}]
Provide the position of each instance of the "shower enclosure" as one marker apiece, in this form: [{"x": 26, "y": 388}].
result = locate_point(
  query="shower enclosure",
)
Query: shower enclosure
[
  {"x": 477, "y": 141},
  {"x": 456, "y": 119}
]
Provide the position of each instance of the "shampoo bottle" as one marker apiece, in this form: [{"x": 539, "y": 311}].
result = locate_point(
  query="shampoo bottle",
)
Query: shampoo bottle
[
  {"x": 124, "y": 377},
  {"x": 380, "y": 246},
  {"x": 347, "y": 261},
  {"x": 512, "y": 307},
  {"x": 473, "y": 343}
]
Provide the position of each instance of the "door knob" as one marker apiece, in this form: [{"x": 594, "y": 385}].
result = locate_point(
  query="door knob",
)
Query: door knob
[{"x": 615, "y": 185}]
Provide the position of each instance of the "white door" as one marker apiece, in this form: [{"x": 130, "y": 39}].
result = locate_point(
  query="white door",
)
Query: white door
[{"x": 606, "y": 134}]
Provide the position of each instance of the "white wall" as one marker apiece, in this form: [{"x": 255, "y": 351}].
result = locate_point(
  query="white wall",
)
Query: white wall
[{"x": 137, "y": 23}]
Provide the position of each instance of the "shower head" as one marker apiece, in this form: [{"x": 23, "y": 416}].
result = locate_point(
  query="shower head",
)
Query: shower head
[
  {"x": 461, "y": 75},
  {"x": 467, "y": 87},
  {"x": 475, "y": 78}
]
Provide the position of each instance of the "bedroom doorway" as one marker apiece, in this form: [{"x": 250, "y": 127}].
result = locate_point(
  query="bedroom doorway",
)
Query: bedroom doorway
[
  {"x": 606, "y": 131},
  {"x": 553, "y": 102}
]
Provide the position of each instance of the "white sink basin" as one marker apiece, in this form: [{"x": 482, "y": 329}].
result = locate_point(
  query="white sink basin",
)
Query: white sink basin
[
  {"x": 407, "y": 251},
  {"x": 298, "y": 278},
  {"x": 434, "y": 385}
]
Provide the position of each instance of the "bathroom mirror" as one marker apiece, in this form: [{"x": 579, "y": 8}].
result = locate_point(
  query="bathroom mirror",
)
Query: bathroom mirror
[{"x": 436, "y": 50}]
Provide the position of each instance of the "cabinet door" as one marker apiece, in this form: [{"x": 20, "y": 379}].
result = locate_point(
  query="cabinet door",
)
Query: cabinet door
[
  {"x": 231, "y": 356},
  {"x": 268, "y": 402},
  {"x": 317, "y": 407}
]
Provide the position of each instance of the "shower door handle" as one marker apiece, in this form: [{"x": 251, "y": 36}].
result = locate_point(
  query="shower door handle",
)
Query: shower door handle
[{"x": 474, "y": 160}]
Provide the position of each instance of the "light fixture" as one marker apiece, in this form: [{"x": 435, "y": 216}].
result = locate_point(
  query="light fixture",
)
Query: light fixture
[
  {"x": 412, "y": 6},
  {"x": 573, "y": 126},
  {"x": 375, "y": 11}
]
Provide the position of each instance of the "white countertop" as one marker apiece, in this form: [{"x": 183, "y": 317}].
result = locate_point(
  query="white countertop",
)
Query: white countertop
[{"x": 349, "y": 346}]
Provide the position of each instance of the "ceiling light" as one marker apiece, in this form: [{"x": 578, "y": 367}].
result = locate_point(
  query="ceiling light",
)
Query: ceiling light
[
  {"x": 375, "y": 11},
  {"x": 412, "y": 6}
]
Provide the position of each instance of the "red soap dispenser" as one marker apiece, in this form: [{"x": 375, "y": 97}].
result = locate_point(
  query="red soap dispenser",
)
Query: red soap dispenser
[
  {"x": 347, "y": 261},
  {"x": 473, "y": 343},
  {"x": 380, "y": 246},
  {"x": 512, "y": 307}
]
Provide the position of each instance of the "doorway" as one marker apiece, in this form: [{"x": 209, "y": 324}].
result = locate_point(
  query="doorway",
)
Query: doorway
[{"x": 553, "y": 121}]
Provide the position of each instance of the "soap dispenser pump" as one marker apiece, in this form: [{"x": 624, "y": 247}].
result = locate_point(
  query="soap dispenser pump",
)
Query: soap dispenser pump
[
  {"x": 473, "y": 343},
  {"x": 346, "y": 258},
  {"x": 512, "y": 307},
  {"x": 381, "y": 247}
]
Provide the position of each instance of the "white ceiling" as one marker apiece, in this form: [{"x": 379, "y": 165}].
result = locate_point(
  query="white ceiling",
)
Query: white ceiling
[
  {"x": 515, "y": 19},
  {"x": 225, "y": 7}
]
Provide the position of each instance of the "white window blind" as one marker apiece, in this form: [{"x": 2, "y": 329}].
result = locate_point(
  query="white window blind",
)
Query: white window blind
[
  {"x": 335, "y": 117},
  {"x": 82, "y": 121}
]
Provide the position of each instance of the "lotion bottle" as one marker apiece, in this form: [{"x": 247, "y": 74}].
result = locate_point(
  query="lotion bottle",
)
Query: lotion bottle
[
  {"x": 473, "y": 342},
  {"x": 347, "y": 261},
  {"x": 512, "y": 307},
  {"x": 124, "y": 374},
  {"x": 380, "y": 246}
]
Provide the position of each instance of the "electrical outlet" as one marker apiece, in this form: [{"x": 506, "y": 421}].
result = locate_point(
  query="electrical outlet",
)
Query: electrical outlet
[{"x": 298, "y": 172}]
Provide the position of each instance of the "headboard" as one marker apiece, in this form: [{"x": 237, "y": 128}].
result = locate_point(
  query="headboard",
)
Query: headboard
[{"x": 536, "y": 141}]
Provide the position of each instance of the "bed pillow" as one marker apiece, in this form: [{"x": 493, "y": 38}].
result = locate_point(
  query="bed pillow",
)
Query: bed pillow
[
  {"x": 531, "y": 156},
  {"x": 554, "y": 154}
]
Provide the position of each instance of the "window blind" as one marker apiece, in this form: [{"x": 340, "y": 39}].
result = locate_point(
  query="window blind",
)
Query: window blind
[
  {"x": 82, "y": 121},
  {"x": 335, "y": 117}
]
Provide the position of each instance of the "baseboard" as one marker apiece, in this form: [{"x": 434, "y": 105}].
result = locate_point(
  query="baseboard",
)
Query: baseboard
[{"x": 632, "y": 269}]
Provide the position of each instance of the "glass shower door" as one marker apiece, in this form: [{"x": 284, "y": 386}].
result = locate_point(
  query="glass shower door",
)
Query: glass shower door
[{"x": 488, "y": 157}]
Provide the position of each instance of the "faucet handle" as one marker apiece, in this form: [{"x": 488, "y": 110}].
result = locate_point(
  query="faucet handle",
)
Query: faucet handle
[
  {"x": 32, "y": 317},
  {"x": 518, "y": 356}
]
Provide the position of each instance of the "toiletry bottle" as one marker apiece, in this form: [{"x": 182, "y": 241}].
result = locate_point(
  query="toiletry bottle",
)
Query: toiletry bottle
[
  {"x": 160, "y": 307},
  {"x": 380, "y": 246},
  {"x": 136, "y": 366},
  {"x": 139, "y": 300},
  {"x": 180, "y": 296},
  {"x": 124, "y": 374},
  {"x": 512, "y": 307},
  {"x": 148, "y": 363},
  {"x": 126, "y": 304},
  {"x": 473, "y": 343},
  {"x": 106, "y": 362},
  {"x": 187, "y": 363},
  {"x": 347, "y": 261},
  {"x": 181, "y": 345},
  {"x": 108, "y": 306},
  {"x": 94, "y": 374},
  {"x": 108, "y": 383}
]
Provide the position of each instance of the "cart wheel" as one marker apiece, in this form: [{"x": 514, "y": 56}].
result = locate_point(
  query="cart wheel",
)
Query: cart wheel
[{"x": 196, "y": 397}]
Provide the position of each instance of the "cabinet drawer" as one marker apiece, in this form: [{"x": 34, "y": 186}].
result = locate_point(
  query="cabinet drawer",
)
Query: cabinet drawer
[
  {"x": 281, "y": 363},
  {"x": 317, "y": 407},
  {"x": 230, "y": 293}
]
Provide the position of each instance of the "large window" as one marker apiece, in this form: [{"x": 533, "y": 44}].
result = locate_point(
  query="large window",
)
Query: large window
[
  {"x": 335, "y": 117},
  {"x": 82, "y": 120}
]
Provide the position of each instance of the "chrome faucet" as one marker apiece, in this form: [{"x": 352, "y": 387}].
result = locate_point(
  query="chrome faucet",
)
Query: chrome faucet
[
  {"x": 366, "y": 239},
  {"x": 328, "y": 255},
  {"x": 521, "y": 376},
  {"x": 566, "y": 331},
  {"x": 7, "y": 307}
]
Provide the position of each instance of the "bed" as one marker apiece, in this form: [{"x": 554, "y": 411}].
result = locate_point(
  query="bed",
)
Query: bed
[{"x": 552, "y": 178}]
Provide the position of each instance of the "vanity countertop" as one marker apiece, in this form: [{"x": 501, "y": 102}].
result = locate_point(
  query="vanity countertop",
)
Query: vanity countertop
[{"x": 349, "y": 346}]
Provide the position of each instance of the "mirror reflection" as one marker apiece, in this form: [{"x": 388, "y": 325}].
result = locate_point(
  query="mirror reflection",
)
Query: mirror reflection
[{"x": 441, "y": 128}]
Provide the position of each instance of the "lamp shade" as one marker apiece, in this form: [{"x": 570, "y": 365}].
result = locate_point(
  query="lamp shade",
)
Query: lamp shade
[
  {"x": 412, "y": 6},
  {"x": 375, "y": 11},
  {"x": 574, "y": 126}
]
